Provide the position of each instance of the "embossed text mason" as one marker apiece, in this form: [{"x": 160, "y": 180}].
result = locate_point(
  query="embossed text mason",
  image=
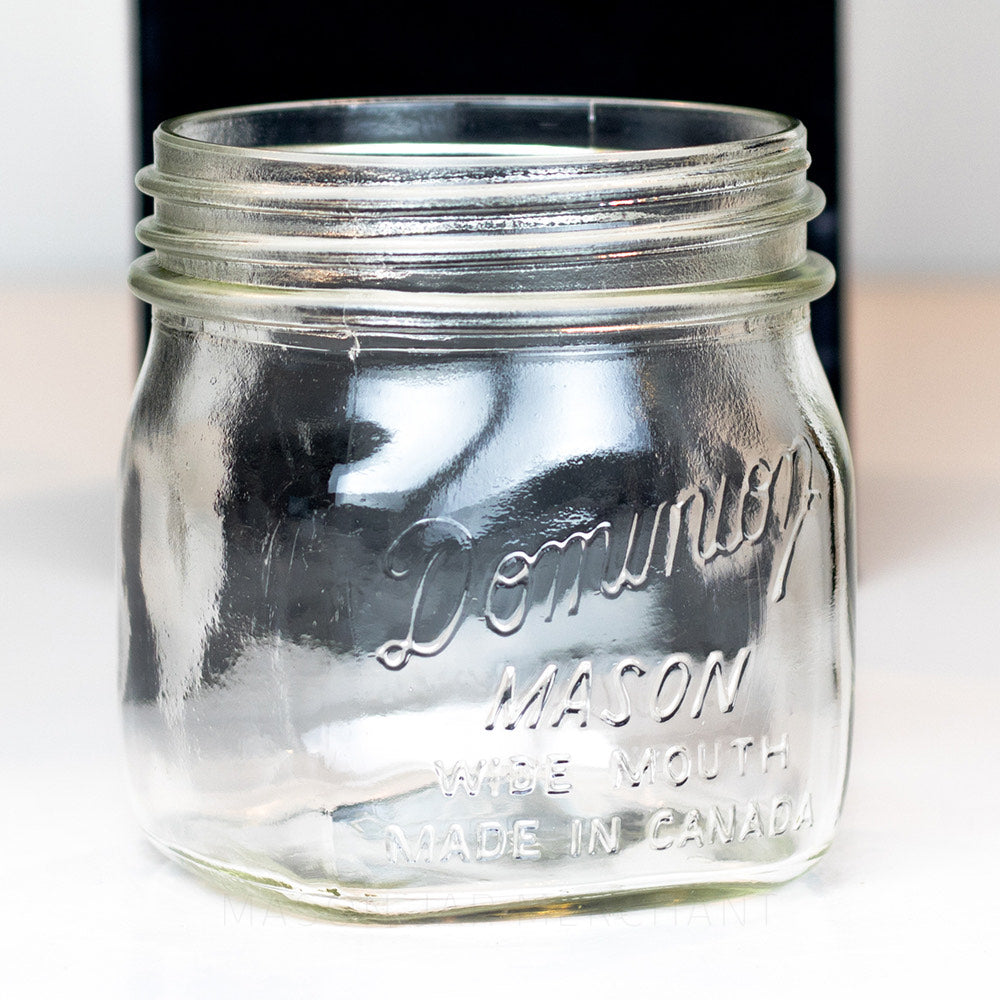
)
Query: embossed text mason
[{"x": 486, "y": 516}]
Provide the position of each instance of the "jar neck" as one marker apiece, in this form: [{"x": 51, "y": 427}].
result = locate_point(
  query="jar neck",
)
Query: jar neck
[
  {"x": 550, "y": 196},
  {"x": 442, "y": 336}
]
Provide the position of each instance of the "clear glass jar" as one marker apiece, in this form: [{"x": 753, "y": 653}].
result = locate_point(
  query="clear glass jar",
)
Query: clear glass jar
[{"x": 486, "y": 517}]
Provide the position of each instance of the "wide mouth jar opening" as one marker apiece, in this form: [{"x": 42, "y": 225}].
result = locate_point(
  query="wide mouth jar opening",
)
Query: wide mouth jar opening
[
  {"x": 471, "y": 127},
  {"x": 488, "y": 201}
]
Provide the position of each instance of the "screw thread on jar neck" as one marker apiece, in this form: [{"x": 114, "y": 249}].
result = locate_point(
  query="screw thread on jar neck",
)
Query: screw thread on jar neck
[{"x": 485, "y": 202}]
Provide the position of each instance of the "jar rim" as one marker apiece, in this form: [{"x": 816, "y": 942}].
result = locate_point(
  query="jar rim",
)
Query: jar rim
[
  {"x": 615, "y": 194},
  {"x": 578, "y": 117}
]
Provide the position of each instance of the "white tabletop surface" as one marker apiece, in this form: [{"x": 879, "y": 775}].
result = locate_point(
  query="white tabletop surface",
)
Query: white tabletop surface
[{"x": 907, "y": 896}]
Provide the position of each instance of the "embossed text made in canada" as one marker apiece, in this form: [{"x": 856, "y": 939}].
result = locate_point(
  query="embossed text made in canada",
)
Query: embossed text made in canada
[{"x": 704, "y": 522}]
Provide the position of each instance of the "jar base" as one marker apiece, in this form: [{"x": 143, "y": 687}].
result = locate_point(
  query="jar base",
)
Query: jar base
[{"x": 350, "y": 904}]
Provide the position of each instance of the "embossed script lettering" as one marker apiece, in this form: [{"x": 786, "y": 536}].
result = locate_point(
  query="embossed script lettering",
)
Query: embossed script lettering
[
  {"x": 705, "y": 523},
  {"x": 437, "y": 537},
  {"x": 787, "y": 491}
]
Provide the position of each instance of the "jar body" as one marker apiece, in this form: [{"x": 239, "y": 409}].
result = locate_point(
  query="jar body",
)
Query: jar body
[{"x": 432, "y": 629}]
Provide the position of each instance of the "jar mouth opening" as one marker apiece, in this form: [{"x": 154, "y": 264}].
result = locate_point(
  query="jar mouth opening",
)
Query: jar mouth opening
[
  {"x": 464, "y": 131},
  {"x": 479, "y": 195}
]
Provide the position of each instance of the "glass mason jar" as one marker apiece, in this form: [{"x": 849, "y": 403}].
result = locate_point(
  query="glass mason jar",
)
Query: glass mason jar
[{"x": 486, "y": 515}]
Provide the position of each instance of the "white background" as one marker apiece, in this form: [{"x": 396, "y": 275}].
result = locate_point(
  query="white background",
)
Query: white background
[{"x": 921, "y": 109}]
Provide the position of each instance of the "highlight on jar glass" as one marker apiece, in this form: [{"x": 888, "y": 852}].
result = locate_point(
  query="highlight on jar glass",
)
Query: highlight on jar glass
[{"x": 486, "y": 532}]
